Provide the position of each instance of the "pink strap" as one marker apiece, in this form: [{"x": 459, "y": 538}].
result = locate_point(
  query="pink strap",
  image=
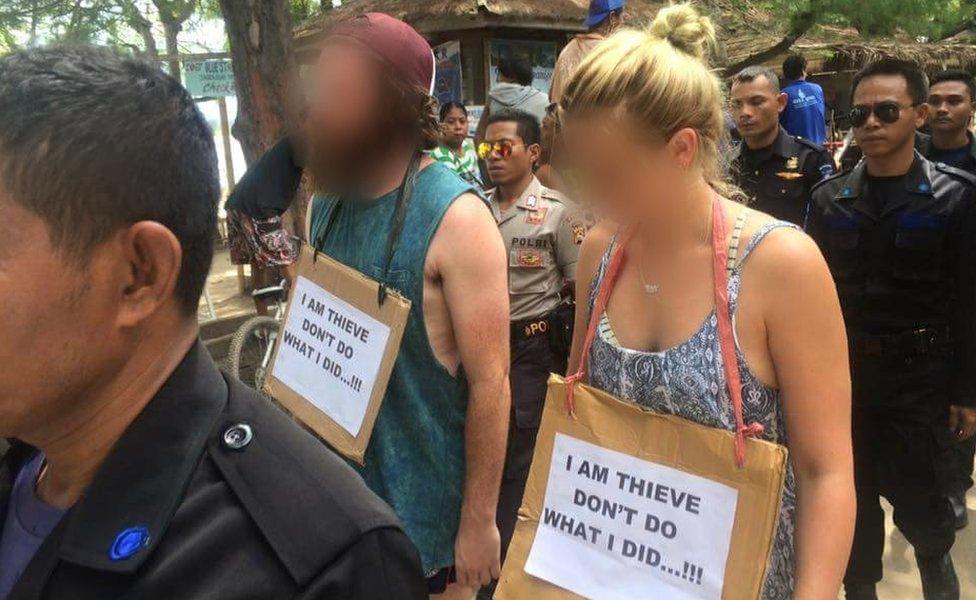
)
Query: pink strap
[{"x": 722, "y": 311}]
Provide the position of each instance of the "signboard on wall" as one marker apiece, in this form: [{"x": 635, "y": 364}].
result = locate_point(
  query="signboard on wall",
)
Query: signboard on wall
[
  {"x": 447, "y": 81},
  {"x": 541, "y": 55},
  {"x": 213, "y": 78}
]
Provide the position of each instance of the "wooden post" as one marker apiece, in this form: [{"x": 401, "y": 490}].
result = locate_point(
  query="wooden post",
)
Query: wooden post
[{"x": 231, "y": 179}]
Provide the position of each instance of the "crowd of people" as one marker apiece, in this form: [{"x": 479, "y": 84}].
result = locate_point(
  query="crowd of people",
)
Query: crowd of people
[{"x": 135, "y": 468}]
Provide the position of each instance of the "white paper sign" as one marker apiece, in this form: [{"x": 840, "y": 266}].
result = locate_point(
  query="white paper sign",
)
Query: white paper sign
[
  {"x": 616, "y": 526},
  {"x": 330, "y": 353}
]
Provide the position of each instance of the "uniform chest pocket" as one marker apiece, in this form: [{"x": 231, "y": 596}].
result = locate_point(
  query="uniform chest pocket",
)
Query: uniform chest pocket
[
  {"x": 843, "y": 241},
  {"x": 397, "y": 279},
  {"x": 528, "y": 269},
  {"x": 919, "y": 242}
]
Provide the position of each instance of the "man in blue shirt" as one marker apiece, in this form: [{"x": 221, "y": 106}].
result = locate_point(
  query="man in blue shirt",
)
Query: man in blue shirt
[
  {"x": 805, "y": 106},
  {"x": 951, "y": 106}
]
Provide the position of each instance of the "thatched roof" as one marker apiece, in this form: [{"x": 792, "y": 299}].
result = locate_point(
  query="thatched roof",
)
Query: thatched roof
[
  {"x": 743, "y": 27},
  {"x": 854, "y": 55}
]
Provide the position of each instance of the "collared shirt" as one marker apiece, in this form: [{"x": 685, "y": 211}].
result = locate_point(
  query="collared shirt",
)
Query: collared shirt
[
  {"x": 214, "y": 492},
  {"x": 542, "y": 234},
  {"x": 905, "y": 262},
  {"x": 779, "y": 178},
  {"x": 805, "y": 114}
]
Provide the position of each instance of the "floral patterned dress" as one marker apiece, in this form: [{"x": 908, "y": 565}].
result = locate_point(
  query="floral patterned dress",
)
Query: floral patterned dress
[{"x": 688, "y": 380}]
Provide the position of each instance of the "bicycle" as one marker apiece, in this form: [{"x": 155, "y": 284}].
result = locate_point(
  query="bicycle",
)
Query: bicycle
[{"x": 253, "y": 343}]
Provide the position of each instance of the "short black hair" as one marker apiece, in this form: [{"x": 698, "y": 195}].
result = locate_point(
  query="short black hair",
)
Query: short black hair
[
  {"x": 794, "y": 66},
  {"x": 526, "y": 125},
  {"x": 750, "y": 74},
  {"x": 955, "y": 75},
  {"x": 517, "y": 68},
  {"x": 918, "y": 85},
  {"x": 448, "y": 106},
  {"x": 92, "y": 141}
]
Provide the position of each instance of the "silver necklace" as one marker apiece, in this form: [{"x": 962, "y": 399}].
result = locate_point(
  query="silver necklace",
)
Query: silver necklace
[{"x": 652, "y": 288}]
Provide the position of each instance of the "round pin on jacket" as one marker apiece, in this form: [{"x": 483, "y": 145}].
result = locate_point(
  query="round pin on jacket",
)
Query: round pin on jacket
[{"x": 128, "y": 542}]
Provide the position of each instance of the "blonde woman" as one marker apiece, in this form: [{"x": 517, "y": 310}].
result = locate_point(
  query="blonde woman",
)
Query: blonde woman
[{"x": 643, "y": 126}]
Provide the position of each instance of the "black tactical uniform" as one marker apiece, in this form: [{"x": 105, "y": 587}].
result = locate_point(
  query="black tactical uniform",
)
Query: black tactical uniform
[
  {"x": 778, "y": 179},
  {"x": 901, "y": 252},
  {"x": 214, "y": 493},
  {"x": 960, "y": 459}
]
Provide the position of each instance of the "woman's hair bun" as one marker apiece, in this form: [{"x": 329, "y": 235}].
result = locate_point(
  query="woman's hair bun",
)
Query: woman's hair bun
[{"x": 686, "y": 30}]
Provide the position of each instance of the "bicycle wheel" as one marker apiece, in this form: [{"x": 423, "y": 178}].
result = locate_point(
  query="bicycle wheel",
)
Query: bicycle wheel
[{"x": 249, "y": 347}]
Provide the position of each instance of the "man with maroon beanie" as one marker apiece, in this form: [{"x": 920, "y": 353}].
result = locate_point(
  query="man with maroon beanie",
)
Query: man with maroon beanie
[{"x": 387, "y": 210}]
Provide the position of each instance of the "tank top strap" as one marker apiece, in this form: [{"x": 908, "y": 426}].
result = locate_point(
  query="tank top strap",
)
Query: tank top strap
[
  {"x": 601, "y": 271},
  {"x": 735, "y": 277}
]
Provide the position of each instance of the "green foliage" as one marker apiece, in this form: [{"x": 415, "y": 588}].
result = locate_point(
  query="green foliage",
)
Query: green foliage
[{"x": 932, "y": 19}]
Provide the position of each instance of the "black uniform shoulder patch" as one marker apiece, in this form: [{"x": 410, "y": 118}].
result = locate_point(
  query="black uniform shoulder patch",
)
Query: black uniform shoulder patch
[
  {"x": 831, "y": 181},
  {"x": 956, "y": 172}
]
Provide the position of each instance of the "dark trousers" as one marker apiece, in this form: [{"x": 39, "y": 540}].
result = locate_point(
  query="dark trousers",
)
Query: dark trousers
[
  {"x": 901, "y": 439},
  {"x": 533, "y": 359},
  {"x": 960, "y": 466}
]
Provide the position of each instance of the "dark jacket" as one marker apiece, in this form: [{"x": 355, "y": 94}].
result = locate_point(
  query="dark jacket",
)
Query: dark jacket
[
  {"x": 908, "y": 267},
  {"x": 234, "y": 501},
  {"x": 926, "y": 148},
  {"x": 779, "y": 179}
]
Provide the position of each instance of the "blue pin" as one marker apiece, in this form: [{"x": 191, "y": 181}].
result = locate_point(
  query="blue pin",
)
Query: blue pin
[
  {"x": 846, "y": 191},
  {"x": 923, "y": 187},
  {"x": 127, "y": 543}
]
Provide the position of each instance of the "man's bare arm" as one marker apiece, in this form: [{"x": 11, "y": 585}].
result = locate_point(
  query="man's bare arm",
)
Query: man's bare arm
[{"x": 471, "y": 262}]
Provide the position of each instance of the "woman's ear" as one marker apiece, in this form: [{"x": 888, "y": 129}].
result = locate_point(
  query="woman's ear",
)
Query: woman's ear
[{"x": 683, "y": 146}]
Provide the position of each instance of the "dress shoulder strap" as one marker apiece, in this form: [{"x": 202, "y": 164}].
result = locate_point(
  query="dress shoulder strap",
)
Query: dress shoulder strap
[{"x": 601, "y": 271}]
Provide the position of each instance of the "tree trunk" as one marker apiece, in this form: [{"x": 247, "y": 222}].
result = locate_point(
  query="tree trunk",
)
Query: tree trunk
[
  {"x": 172, "y": 33},
  {"x": 265, "y": 76}
]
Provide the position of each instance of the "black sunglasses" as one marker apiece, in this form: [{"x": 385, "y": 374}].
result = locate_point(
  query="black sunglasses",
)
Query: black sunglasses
[{"x": 887, "y": 112}]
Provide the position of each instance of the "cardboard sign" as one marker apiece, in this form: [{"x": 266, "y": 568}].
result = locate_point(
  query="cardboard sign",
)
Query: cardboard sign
[
  {"x": 625, "y": 503},
  {"x": 336, "y": 350},
  {"x": 654, "y": 531}
]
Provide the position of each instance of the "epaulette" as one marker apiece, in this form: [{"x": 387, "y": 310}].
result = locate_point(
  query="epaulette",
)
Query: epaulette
[
  {"x": 956, "y": 172},
  {"x": 827, "y": 180},
  {"x": 809, "y": 144}
]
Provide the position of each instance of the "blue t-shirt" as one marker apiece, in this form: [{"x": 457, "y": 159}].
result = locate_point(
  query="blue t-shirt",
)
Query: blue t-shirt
[
  {"x": 29, "y": 521},
  {"x": 805, "y": 113}
]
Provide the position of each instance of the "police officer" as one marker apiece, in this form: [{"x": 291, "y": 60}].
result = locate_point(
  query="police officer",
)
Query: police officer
[
  {"x": 952, "y": 100},
  {"x": 543, "y": 237},
  {"x": 899, "y": 234},
  {"x": 775, "y": 169}
]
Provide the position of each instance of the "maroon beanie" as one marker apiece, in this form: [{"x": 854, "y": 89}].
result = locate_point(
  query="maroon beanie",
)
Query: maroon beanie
[{"x": 397, "y": 43}]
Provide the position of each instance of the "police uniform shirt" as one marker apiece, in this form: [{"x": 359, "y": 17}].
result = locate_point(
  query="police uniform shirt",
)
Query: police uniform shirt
[
  {"x": 542, "y": 235},
  {"x": 778, "y": 179},
  {"x": 212, "y": 492},
  {"x": 905, "y": 262}
]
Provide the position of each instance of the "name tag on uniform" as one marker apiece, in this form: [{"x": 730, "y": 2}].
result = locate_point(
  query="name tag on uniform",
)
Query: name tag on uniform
[{"x": 335, "y": 352}]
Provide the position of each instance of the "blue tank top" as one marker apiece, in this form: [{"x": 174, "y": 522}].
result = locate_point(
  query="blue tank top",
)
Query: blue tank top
[{"x": 415, "y": 458}]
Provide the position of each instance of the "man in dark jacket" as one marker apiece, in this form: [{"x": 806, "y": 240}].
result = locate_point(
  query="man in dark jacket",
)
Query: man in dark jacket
[
  {"x": 899, "y": 234},
  {"x": 136, "y": 469}
]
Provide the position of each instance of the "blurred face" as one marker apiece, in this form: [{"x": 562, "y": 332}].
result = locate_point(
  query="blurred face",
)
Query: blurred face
[
  {"x": 883, "y": 117},
  {"x": 56, "y": 326},
  {"x": 625, "y": 179},
  {"x": 509, "y": 159},
  {"x": 455, "y": 126},
  {"x": 756, "y": 106},
  {"x": 950, "y": 107},
  {"x": 346, "y": 127}
]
